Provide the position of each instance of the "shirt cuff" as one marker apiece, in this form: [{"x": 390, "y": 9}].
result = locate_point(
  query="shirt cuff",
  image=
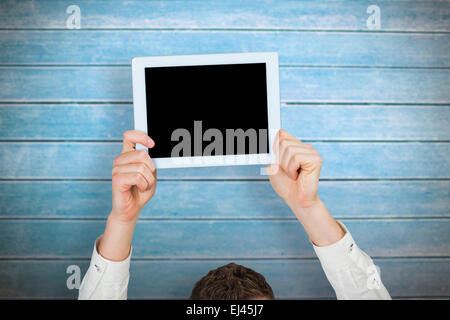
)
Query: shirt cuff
[
  {"x": 110, "y": 270},
  {"x": 339, "y": 254}
]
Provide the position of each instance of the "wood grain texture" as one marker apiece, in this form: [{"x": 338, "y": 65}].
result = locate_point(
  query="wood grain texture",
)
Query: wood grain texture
[
  {"x": 294, "y": 48},
  {"x": 342, "y": 161},
  {"x": 237, "y": 239},
  {"x": 307, "y": 84},
  {"x": 307, "y": 122},
  {"x": 224, "y": 200},
  {"x": 375, "y": 103},
  {"x": 298, "y": 279},
  {"x": 284, "y": 15}
]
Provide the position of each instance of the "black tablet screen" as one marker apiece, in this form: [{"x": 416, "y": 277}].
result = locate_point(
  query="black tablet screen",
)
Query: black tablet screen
[{"x": 207, "y": 110}]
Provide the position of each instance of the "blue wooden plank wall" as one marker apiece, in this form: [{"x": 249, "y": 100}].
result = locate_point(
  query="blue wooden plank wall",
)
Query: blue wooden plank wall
[{"x": 373, "y": 100}]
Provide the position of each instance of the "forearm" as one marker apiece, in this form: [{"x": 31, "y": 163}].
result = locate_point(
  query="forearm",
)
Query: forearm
[
  {"x": 115, "y": 243},
  {"x": 318, "y": 223}
]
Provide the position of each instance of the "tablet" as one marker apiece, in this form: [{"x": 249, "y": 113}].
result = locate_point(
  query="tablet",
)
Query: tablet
[{"x": 208, "y": 110}]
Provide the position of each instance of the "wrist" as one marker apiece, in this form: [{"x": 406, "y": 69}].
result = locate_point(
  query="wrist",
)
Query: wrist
[
  {"x": 318, "y": 223},
  {"x": 118, "y": 227},
  {"x": 305, "y": 206},
  {"x": 129, "y": 217},
  {"x": 125, "y": 220},
  {"x": 115, "y": 243}
]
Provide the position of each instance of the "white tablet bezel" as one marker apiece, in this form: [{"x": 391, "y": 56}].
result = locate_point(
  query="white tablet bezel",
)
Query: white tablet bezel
[{"x": 273, "y": 103}]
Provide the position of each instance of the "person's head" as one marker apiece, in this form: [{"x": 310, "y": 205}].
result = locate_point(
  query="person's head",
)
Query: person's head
[{"x": 232, "y": 282}]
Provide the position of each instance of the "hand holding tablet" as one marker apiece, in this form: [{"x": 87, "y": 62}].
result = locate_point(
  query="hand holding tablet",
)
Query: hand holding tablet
[{"x": 205, "y": 110}]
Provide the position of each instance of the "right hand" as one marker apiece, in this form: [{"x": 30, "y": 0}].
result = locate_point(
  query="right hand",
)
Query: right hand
[
  {"x": 133, "y": 177},
  {"x": 296, "y": 176}
]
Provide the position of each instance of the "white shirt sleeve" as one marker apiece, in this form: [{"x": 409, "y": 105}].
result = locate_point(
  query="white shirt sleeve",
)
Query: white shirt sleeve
[
  {"x": 350, "y": 271},
  {"x": 105, "y": 280}
]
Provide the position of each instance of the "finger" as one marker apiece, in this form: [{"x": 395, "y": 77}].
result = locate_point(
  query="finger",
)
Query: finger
[
  {"x": 283, "y": 138},
  {"x": 286, "y": 145},
  {"x": 131, "y": 137},
  {"x": 141, "y": 168},
  {"x": 302, "y": 163},
  {"x": 276, "y": 146},
  {"x": 305, "y": 145},
  {"x": 296, "y": 156},
  {"x": 285, "y": 159},
  {"x": 126, "y": 180},
  {"x": 286, "y": 135},
  {"x": 135, "y": 156}
]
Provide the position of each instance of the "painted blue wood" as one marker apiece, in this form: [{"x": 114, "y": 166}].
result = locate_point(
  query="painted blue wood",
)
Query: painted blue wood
[
  {"x": 310, "y": 122},
  {"x": 368, "y": 85},
  {"x": 235, "y": 239},
  {"x": 224, "y": 200},
  {"x": 323, "y": 15},
  {"x": 175, "y": 279},
  {"x": 56, "y": 122},
  {"x": 307, "y": 84},
  {"x": 294, "y": 48},
  {"x": 328, "y": 56},
  {"x": 367, "y": 122},
  {"x": 341, "y": 161}
]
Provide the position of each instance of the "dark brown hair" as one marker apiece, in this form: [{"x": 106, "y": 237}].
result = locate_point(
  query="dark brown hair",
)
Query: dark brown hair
[{"x": 232, "y": 282}]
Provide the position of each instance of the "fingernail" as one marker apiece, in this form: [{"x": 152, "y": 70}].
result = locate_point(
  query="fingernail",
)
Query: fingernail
[{"x": 150, "y": 142}]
